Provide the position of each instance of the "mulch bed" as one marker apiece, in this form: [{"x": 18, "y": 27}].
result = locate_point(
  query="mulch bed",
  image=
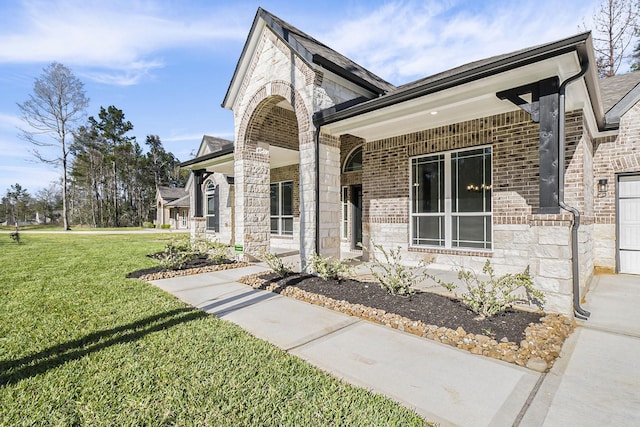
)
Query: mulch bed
[
  {"x": 525, "y": 338},
  {"x": 428, "y": 307},
  {"x": 195, "y": 266}
]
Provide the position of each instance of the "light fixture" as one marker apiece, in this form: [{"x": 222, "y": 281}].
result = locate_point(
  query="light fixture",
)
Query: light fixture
[
  {"x": 603, "y": 186},
  {"x": 433, "y": 113}
]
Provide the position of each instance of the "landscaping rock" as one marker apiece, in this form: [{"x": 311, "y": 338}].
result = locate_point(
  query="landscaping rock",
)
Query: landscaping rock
[{"x": 538, "y": 350}]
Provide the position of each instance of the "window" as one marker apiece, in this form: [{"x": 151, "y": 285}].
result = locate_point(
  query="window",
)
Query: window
[
  {"x": 184, "y": 218},
  {"x": 282, "y": 208},
  {"x": 345, "y": 212},
  {"x": 213, "y": 210},
  {"x": 354, "y": 161},
  {"x": 451, "y": 199}
]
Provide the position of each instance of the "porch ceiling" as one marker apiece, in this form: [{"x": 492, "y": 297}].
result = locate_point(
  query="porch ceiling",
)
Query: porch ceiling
[
  {"x": 469, "y": 101},
  {"x": 283, "y": 157},
  {"x": 224, "y": 164}
]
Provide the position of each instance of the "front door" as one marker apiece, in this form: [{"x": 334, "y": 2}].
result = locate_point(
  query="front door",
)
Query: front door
[
  {"x": 356, "y": 215},
  {"x": 629, "y": 224}
]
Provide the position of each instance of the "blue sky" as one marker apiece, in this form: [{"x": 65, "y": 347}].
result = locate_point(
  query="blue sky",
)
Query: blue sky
[{"x": 167, "y": 64}]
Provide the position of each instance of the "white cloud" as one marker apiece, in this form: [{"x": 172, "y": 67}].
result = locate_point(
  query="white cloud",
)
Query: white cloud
[
  {"x": 406, "y": 40},
  {"x": 121, "y": 39},
  {"x": 32, "y": 178},
  {"x": 10, "y": 122}
]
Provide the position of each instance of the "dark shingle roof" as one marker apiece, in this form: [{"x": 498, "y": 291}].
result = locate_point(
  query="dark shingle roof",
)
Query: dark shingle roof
[
  {"x": 172, "y": 193},
  {"x": 614, "y": 88},
  {"x": 216, "y": 144},
  {"x": 182, "y": 202},
  {"x": 315, "y": 51},
  {"x": 458, "y": 76},
  {"x": 479, "y": 64}
]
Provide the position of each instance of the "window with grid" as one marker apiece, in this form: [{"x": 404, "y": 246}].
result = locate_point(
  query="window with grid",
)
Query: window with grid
[
  {"x": 213, "y": 214},
  {"x": 451, "y": 199},
  {"x": 345, "y": 212},
  {"x": 282, "y": 208}
]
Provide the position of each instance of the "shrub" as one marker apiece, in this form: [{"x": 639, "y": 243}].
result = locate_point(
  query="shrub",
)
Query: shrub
[
  {"x": 178, "y": 253},
  {"x": 496, "y": 294},
  {"x": 165, "y": 226},
  {"x": 217, "y": 252},
  {"x": 329, "y": 268},
  {"x": 395, "y": 277},
  {"x": 148, "y": 224},
  {"x": 275, "y": 263}
]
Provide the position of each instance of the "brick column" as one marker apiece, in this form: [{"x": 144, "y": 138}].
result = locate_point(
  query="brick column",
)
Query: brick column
[
  {"x": 307, "y": 196},
  {"x": 252, "y": 222},
  {"x": 198, "y": 227},
  {"x": 329, "y": 194}
]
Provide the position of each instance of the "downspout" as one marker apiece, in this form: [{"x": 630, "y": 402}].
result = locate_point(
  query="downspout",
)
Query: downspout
[
  {"x": 317, "y": 189},
  {"x": 579, "y": 312}
]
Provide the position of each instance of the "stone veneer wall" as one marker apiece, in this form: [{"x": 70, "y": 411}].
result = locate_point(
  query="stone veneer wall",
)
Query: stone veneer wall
[
  {"x": 225, "y": 208},
  {"x": 521, "y": 237},
  {"x": 613, "y": 155},
  {"x": 275, "y": 74}
]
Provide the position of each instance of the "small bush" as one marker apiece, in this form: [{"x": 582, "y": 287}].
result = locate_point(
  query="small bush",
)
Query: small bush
[
  {"x": 329, "y": 268},
  {"x": 148, "y": 224},
  {"x": 395, "y": 277},
  {"x": 178, "y": 253},
  {"x": 275, "y": 263},
  {"x": 217, "y": 252},
  {"x": 165, "y": 226},
  {"x": 492, "y": 296}
]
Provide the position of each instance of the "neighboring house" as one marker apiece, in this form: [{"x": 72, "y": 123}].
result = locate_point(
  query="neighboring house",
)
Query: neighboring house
[
  {"x": 172, "y": 208},
  {"x": 210, "y": 187},
  {"x": 525, "y": 159}
]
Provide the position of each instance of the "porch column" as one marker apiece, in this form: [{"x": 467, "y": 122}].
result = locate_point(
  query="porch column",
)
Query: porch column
[
  {"x": 307, "y": 196},
  {"x": 329, "y": 163},
  {"x": 252, "y": 214}
]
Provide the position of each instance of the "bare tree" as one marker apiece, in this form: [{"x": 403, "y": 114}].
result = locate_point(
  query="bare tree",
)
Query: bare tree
[
  {"x": 614, "y": 25},
  {"x": 52, "y": 112}
]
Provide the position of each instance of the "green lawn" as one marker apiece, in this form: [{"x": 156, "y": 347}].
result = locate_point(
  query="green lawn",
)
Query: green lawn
[{"x": 80, "y": 344}]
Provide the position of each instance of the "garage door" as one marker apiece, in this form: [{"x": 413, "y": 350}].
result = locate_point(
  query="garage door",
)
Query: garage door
[{"x": 629, "y": 223}]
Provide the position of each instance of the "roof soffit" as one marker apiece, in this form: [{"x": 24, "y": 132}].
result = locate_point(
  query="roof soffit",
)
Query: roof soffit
[{"x": 471, "y": 100}]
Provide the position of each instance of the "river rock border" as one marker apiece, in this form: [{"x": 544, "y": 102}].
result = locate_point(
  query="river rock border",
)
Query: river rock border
[
  {"x": 168, "y": 274},
  {"x": 538, "y": 351}
]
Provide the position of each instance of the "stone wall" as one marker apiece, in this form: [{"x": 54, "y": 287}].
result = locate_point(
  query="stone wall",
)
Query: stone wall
[
  {"x": 276, "y": 74},
  {"x": 225, "y": 209}
]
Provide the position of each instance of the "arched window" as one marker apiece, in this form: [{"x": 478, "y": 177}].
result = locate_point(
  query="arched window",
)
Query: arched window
[
  {"x": 213, "y": 206},
  {"x": 354, "y": 160}
]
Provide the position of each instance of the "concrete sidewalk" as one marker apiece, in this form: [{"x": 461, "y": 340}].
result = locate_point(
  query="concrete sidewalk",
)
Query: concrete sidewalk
[
  {"x": 596, "y": 381},
  {"x": 441, "y": 383}
]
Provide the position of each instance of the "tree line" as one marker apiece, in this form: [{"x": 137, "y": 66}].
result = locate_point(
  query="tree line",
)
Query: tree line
[
  {"x": 18, "y": 206},
  {"x": 106, "y": 178},
  {"x": 112, "y": 183}
]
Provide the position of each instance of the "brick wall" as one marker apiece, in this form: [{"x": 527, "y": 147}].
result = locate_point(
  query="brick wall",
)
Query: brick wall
[
  {"x": 514, "y": 140},
  {"x": 521, "y": 236},
  {"x": 612, "y": 155}
]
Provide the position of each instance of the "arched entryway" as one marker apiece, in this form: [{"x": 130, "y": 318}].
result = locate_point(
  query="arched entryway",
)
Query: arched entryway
[{"x": 270, "y": 148}]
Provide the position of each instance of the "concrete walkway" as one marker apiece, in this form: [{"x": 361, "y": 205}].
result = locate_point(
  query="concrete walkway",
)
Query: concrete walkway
[
  {"x": 441, "y": 383},
  {"x": 596, "y": 382}
]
